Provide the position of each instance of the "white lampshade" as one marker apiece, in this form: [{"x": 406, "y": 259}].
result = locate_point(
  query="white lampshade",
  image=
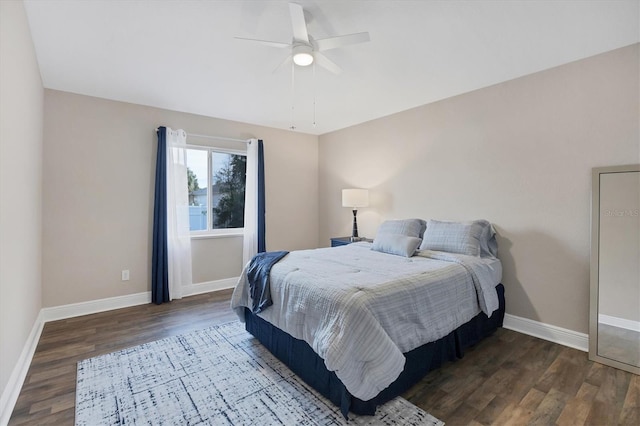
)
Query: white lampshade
[{"x": 355, "y": 198}]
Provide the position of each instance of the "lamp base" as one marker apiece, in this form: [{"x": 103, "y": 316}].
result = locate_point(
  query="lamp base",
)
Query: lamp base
[{"x": 354, "y": 232}]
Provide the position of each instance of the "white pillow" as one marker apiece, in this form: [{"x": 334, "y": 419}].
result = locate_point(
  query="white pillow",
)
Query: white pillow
[
  {"x": 400, "y": 245},
  {"x": 470, "y": 238}
]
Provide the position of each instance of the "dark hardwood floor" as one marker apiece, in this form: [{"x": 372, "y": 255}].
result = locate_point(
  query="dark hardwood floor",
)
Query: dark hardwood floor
[{"x": 509, "y": 378}]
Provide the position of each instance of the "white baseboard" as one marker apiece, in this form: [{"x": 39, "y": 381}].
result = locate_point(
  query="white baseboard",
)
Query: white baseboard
[
  {"x": 619, "y": 322},
  {"x": 552, "y": 333},
  {"x": 94, "y": 306},
  {"x": 110, "y": 303},
  {"x": 14, "y": 385},
  {"x": 209, "y": 286}
]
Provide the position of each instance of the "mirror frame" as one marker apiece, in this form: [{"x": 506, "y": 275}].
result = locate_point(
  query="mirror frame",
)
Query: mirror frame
[{"x": 595, "y": 266}]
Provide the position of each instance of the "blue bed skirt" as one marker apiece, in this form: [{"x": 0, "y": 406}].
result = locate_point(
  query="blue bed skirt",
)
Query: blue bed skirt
[{"x": 304, "y": 362}]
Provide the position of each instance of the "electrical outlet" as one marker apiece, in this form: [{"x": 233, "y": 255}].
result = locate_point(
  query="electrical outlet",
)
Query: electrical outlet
[{"x": 125, "y": 275}]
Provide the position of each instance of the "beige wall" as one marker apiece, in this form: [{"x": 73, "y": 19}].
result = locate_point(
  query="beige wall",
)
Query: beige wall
[
  {"x": 20, "y": 186},
  {"x": 99, "y": 163},
  {"x": 519, "y": 154}
]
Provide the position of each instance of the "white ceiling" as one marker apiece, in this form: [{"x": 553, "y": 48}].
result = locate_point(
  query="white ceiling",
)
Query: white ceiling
[{"x": 182, "y": 55}]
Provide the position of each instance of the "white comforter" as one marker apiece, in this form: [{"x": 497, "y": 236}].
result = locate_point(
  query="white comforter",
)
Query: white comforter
[{"x": 360, "y": 309}]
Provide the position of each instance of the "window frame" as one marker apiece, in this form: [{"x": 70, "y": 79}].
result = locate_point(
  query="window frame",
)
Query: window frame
[{"x": 210, "y": 232}]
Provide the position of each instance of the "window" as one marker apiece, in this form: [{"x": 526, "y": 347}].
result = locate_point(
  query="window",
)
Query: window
[{"x": 216, "y": 182}]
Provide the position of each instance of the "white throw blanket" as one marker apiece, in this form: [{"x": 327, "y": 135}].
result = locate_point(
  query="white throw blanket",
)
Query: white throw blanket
[{"x": 360, "y": 309}]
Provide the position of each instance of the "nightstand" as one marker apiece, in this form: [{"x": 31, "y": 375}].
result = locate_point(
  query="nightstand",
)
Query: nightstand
[{"x": 343, "y": 241}]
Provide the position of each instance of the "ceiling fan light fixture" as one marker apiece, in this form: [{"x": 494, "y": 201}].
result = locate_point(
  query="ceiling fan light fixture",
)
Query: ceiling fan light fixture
[{"x": 302, "y": 55}]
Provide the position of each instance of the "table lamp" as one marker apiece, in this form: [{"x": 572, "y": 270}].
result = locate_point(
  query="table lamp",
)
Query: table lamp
[{"x": 355, "y": 198}]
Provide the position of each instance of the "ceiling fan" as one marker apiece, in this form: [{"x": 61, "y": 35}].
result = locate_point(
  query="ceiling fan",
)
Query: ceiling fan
[{"x": 305, "y": 49}]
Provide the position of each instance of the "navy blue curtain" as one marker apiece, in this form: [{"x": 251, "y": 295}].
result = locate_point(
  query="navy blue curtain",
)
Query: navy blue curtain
[
  {"x": 261, "y": 203},
  {"x": 160, "y": 260}
]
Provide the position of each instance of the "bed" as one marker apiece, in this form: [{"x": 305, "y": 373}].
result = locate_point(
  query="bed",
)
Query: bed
[{"x": 362, "y": 323}]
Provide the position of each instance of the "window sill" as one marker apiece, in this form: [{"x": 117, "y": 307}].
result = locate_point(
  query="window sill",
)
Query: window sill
[{"x": 214, "y": 236}]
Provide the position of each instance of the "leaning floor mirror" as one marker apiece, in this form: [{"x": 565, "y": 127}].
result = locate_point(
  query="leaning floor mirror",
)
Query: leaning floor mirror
[{"x": 614, "y": 335}]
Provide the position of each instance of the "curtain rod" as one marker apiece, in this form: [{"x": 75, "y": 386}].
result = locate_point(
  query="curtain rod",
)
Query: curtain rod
[{"x": 195, "y": 135}]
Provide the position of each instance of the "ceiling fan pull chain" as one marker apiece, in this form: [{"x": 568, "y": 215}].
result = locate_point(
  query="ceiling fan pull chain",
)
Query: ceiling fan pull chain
[
  {"x": 314, "y": 95},
  {"x": 293, "y": 95}
]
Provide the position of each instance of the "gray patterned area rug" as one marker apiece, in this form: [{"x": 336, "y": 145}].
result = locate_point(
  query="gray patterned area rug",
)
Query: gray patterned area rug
[{"x": 217, "y": 376}]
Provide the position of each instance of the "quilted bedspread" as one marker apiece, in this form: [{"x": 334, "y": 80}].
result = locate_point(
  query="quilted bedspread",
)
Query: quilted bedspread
[{"x": 360, "y": 309}]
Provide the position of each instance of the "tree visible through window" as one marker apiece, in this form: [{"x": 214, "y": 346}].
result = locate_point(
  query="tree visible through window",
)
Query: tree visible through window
[
  {"x": 216, "y": 184},
  {"x": 229, "y": 184}
]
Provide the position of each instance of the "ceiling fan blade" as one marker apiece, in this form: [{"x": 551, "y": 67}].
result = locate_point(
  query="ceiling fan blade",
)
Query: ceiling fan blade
[
  {"x": 339, "y": 41},
  {"x": 326, "y": 63},
  {"x": 286, "y": 61},
  {"x": 277, "y": 44},
  {"x": 298, "y": 23}
]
